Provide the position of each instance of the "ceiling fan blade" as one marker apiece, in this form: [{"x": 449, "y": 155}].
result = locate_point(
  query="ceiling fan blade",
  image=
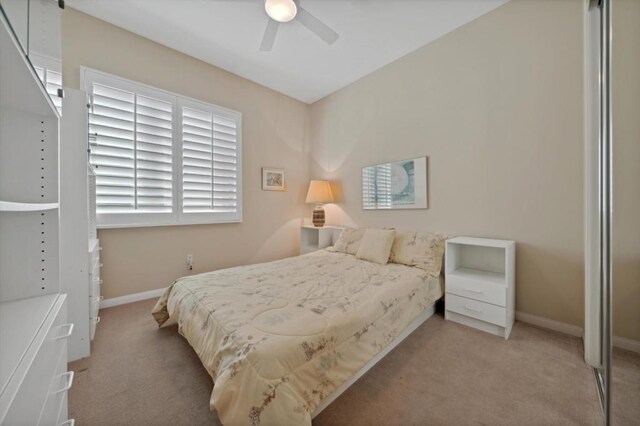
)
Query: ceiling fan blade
[
  {"x": 269, "y": 35},
  {"x": 316, "y": 26}
]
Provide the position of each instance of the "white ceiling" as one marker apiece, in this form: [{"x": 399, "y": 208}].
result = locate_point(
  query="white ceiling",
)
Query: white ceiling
[{"x": 227, "y": 33}]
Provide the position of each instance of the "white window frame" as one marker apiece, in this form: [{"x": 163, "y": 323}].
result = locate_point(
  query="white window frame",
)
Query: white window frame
[{"x": 88, "y": 77}]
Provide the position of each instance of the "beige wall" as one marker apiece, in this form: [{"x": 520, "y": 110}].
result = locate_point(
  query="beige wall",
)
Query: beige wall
[
  {"x": 274, "y": 135},
  {"x": 497, "y": 106},
  {"x": 626, "y": 159}
]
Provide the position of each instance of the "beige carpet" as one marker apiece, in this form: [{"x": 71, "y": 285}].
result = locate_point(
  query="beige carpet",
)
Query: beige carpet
[{"x": 443, "y": 374}]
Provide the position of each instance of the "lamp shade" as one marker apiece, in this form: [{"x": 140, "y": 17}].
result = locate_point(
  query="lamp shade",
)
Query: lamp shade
[{"x": 319, "y": 192}]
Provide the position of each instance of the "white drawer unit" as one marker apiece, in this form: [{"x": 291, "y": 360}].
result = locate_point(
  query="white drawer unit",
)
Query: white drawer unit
[
  {"x": 93, "y": 323},
  {"x": 60, "y": 385},
  {"x": 63, "y": 414},
  {"x": 480, "y": 283},
  {"x": 94, "y": 306},
  {"x": 94, "y": 290},
  {"x": 94, "y": 286},
  {"x": 480, "y": 310},
  {"x": 34, "y": 375}
]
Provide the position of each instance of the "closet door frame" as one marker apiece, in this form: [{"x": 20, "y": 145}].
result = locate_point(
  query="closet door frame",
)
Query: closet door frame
[{"x": 598, "y": 197}]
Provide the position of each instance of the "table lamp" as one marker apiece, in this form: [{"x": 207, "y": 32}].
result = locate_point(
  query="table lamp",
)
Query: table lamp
[{"x": 319, "y": 193}]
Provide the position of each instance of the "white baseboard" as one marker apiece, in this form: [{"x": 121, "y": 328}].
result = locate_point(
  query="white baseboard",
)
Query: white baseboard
[
  {"x": 561, "y": 327},
  {"x": 627, "y": 344},
  {"x": 130, "y": 298},
  {"x": 574, "y": 330}
]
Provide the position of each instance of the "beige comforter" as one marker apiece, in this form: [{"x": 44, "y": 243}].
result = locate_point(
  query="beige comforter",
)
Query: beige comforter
[{"x": 278, "y": 337}]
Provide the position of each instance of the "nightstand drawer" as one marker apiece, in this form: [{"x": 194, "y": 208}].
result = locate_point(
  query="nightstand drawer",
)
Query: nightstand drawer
[
  {"x": 475, "y": 309},
  {"x": 476, "y": 289}
]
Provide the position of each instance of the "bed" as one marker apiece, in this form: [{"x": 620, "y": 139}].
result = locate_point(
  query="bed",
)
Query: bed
[{"x": 282, "y": 339}]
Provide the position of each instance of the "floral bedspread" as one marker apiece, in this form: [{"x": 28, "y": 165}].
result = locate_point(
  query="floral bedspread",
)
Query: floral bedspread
[{"x": 278, "y": 337}]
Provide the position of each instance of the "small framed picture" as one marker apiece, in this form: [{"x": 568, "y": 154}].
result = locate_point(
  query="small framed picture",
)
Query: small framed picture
[{"x": 273, "y": 179}]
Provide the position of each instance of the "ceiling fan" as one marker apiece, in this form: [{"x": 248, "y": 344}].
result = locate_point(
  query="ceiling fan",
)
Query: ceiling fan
[{"x": 283, "y": 11}]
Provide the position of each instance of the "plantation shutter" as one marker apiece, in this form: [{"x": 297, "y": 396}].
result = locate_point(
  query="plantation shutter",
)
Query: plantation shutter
[
  {"x": 368, "y": 188},
  {"x": 131, "y": 151},
  {"x": 52, "y": 81},
  {"x": 376, "y": 187},
  {"x": 154, "y": 154},
  {"x": 160, "y": 158},
  {"x": 112, "y": 126},
  {"x": 210, "y": 166}
]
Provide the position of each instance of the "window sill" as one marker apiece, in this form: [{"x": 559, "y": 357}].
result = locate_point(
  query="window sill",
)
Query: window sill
[{"x": 163, "y": 223}]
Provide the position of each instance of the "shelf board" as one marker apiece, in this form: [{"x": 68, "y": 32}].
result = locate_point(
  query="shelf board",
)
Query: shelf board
[
  {"x": 9, "y": 206},
  {"x": 483, "y": 242},
  {"x": 320, "y": 227},
  {"x": 479, "y": 275}
]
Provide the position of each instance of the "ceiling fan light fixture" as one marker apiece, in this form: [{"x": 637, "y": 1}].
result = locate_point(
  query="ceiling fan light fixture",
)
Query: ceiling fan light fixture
[{"x": 281, "y": 10}]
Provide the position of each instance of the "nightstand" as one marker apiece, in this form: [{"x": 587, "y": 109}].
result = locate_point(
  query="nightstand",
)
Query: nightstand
[
  {"x": 480, "y": 283},
  {"x": 313, "y": 238}
]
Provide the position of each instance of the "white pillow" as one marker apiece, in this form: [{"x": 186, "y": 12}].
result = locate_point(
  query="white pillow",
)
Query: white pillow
[
  {"x": 349, "y": 240},
  {"x": 423, "y": 250},
  {"x": 376, "y": 245}
]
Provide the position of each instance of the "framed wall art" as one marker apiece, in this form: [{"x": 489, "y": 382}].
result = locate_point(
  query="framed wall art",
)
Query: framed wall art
[
  {"x": 397, "y": 185},
  {"x": 273, "y": 179}
]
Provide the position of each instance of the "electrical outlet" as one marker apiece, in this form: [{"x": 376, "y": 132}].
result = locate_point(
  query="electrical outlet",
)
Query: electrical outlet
[{"x": 190, "y": 261}]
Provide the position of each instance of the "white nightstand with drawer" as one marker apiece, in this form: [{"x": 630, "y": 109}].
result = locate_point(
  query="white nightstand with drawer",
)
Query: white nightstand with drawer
[{"x": 480, "y": 283}]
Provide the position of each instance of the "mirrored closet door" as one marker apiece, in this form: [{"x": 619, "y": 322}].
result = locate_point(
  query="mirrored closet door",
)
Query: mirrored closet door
[
  {"x": 598, "y": 199},
  {"x": 612, "y": 178}
]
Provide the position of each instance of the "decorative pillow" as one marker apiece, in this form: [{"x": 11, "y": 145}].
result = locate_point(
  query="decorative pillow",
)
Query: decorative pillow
[
  {"x": 424, "y": 251},
  {"x": 376, "y": 245},
  {"x": 349, "y": 240}
]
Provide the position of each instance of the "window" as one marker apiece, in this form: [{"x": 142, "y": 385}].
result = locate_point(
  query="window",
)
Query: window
[
  {"x": 49, "y": 71},
  {"x": 52, "y": 81},
  {"x": 160, "y": 158}
]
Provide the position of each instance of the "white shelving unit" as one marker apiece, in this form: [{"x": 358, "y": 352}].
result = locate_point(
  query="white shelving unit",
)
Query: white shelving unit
[
  {"x": 480, "y": 283},
  {"x": 28, "y": 178},
  {"x": 74, "y": 220},
  {"x": 313, "y": 238},
  {"x": 93, "y": 220},
  {"x": 33, "y": 324}
]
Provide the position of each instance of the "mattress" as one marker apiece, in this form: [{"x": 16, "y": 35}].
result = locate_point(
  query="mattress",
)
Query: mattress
[{"x": 279, "y": 337}]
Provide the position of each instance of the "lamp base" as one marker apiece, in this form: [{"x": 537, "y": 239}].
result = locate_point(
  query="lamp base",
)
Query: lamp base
[{"x": 318, "y": 217}]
